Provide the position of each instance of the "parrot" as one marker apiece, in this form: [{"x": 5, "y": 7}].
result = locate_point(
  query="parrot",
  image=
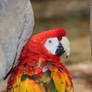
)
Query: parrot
[{"x": 40, "y": 68}]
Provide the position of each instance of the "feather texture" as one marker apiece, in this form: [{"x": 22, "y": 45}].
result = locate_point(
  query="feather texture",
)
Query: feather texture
[
  {"x": 38, "y": 70},
  {"x": 55, "y": 79}
]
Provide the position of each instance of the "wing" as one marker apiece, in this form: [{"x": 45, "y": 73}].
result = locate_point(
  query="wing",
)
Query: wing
[
  {"x": 61, "y": 80},
  {"x": 53, "y": 79},
  {"x": 25, "y": 85}
]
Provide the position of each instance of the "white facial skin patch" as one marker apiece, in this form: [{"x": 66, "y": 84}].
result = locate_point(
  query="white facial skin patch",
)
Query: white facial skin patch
[
  {"x": 51, "y": 45},
  {"x": 65, "y": 43}
]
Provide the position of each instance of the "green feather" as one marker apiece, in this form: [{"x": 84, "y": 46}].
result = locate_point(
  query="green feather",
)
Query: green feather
[{"x": 52, "y": 87}]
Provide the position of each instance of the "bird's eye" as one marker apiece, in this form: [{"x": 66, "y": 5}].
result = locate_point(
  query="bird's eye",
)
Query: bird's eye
[{"x": 50, "y": 41}]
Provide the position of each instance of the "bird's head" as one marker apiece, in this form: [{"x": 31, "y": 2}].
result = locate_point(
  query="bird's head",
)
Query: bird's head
[{"x": 51, "y": 43}]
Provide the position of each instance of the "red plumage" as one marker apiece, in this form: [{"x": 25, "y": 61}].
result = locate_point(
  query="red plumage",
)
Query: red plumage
[{"x": 34, "y": 57}]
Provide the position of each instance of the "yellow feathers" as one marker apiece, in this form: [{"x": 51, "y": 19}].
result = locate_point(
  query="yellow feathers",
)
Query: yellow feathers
[
  {"x": 59, "y": 81},
  {"x": 53, "y": 80},
  {"x": 26, "y": 86}
]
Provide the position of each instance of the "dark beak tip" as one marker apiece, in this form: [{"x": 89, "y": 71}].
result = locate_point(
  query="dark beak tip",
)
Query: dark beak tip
[{"x": 60, "y": 50}]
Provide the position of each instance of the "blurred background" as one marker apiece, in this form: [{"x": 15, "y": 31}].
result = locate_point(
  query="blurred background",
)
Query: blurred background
[{"x": 73, "y": 16}]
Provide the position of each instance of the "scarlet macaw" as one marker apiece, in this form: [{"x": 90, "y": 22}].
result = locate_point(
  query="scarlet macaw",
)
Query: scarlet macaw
[{"x": 39, "y": 68}]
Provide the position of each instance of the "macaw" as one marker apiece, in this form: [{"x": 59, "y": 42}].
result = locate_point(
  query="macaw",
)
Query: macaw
[{"x": 39, "y": 68}]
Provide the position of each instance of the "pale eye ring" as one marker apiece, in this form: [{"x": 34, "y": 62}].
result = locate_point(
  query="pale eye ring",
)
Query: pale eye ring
[{"x": 50, "y": 41}]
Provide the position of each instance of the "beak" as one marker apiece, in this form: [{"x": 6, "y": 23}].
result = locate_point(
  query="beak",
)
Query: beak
[
  {"x": 66, "y": 45},
  {"x": 60, "y": 50}
]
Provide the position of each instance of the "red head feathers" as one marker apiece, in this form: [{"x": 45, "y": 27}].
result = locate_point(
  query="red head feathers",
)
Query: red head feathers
[{"x": 36, "y": 43}]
